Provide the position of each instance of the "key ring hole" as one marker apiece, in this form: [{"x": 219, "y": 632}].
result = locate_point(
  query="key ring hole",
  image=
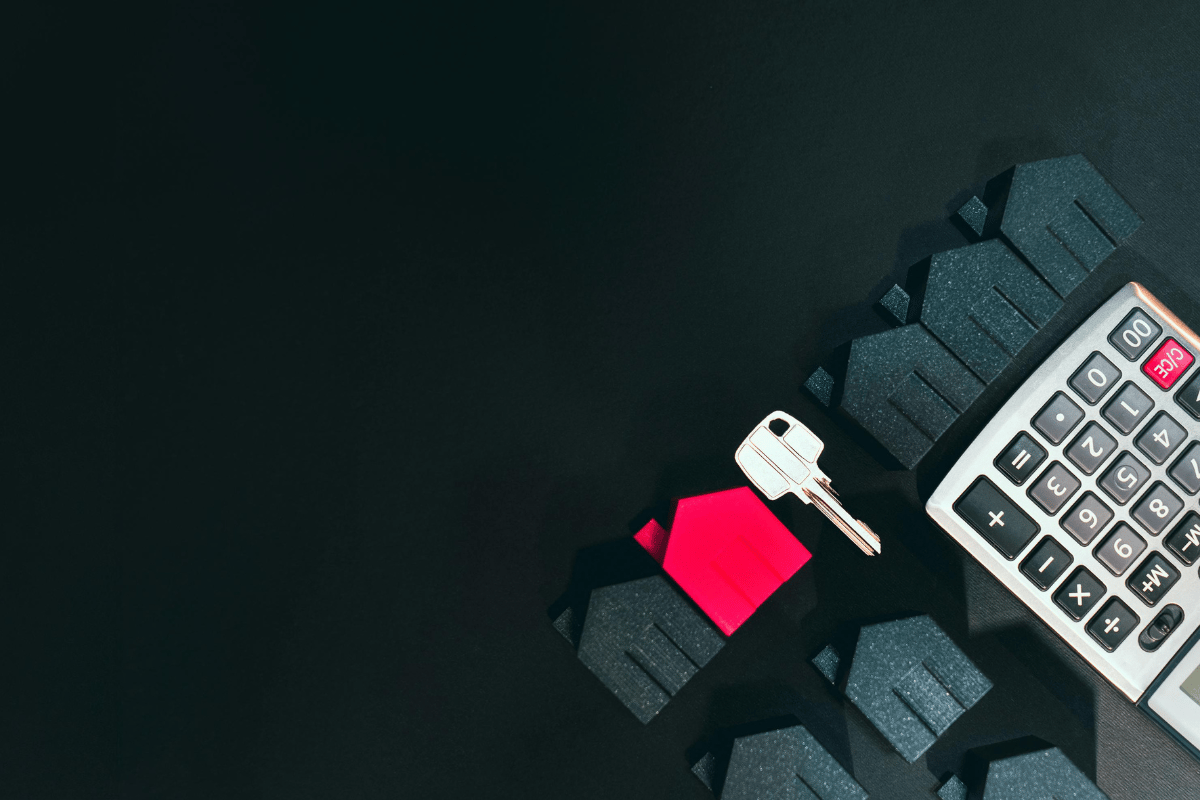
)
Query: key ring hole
[{"x": 779, "y": 426}]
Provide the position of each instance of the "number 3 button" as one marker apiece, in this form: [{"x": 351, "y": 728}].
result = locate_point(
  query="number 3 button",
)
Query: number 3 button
[
  {"x": 1054, "y": 488},
  {"x": 1120, "y": 549}
]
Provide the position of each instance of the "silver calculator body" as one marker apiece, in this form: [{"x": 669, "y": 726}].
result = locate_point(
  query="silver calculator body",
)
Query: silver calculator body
[{"x": 1082, "y": 496}]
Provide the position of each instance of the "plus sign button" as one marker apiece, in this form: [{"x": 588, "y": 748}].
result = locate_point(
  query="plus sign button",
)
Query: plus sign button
[{"x": 996, "y": 517}]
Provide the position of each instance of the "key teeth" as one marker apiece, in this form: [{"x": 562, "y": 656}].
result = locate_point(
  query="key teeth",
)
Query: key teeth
[{"x": 828, "y": 486}]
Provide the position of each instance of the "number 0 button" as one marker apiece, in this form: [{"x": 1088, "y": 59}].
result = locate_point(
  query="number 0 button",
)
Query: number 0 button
[
  {"x": 1095, "y": 378},
  {"x": 1120, "y": 549}
]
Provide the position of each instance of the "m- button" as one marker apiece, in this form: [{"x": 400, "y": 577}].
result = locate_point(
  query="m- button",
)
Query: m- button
[{"x": 997, "y": 518}]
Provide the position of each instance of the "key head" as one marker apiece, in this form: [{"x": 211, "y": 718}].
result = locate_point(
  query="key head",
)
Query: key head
[{"x": 779, "y": 455}]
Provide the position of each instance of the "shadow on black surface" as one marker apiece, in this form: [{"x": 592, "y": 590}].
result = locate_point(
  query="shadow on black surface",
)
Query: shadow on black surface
[{"x": 599, "y": 565}]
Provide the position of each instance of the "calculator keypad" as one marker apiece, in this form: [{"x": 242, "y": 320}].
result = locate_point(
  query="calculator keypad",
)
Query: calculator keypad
[
  {"x": 1095, "y": 378},
  {"x": 1186, "y": 472},
  {"x": 1168, "y": 364},
  {"x": 1133, "y": 336},
  {"x": 1079, "y": 593},
  {"x": 1184, "y": 541},
  {"x": 1153, "y": 579},
  {"x": 1046, "y": 563},
  {"x": 991, "y": 513},
  {"x": 1189, "y": 396},
  {"x": 1082, "y": 495}
]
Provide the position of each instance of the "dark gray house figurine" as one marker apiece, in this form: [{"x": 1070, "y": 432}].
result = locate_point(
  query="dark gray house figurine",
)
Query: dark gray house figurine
[
  {"x": 910, "y": 680},
  {"x": 643, "y": 640}
]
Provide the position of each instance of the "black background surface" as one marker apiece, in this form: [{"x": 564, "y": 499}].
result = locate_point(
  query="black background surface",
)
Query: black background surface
[{"x": 336, "y": 338}]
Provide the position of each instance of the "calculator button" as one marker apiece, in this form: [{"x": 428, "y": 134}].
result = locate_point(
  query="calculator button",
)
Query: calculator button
[
  {"x": 1079, "y": 593},
  {"x": 1021, "y": 458},
  {"x": 1127, "y": 410},
  {"x": 1167, "y": 621},
  {"x": 1157, "y": 509},
  {"x": 1095, "y": 378},
  {"x": 1120, "y": 549},
  {"x": 1007, "y": 527},
  {"x": 1091, "y": 448},
  {"x": 1184, "y": 541},
  {"x": 1161, "y": 438},
  {"x": 1124, "y": 478},
  {"x": 1046, "y": 563},
  {"x": 1168, "y": 364},
  {"x": 1060, "y": 416},
  {"x": 1087, "y": 519},
  {"x": 1153, "y": 579},
  {"x": 1114, "y": 622},
  {"x": 1054, "y": 488},
  {"x": 1135, "y": 334},
  {"x": 1189, "y": 396},
  {"x": 1186, "y": 471}
]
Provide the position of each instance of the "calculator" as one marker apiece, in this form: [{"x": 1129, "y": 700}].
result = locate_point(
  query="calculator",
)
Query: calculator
[{"x": 1080, "y": 496}]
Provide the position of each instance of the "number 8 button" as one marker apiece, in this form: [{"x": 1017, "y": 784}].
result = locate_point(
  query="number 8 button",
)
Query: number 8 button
[{"x": 1157, "y": 509}]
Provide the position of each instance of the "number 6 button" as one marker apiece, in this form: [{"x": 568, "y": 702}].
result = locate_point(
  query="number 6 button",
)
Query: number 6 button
[{"x": 1120, "y": 549}]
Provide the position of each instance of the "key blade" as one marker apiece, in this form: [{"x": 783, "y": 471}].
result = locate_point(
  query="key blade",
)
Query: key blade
[{"x": 856, "y": 531}]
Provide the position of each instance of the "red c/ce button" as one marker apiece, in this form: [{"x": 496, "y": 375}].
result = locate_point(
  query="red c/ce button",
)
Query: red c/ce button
[{"x": 1168, "y": 363}]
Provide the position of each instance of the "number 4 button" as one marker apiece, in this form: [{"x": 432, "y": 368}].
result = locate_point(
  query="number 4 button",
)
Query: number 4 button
[{"x": 1161, "y": 438}]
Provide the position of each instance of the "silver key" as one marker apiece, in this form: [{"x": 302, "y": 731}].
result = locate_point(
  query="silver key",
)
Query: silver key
[{"x": 778, "y": 464}]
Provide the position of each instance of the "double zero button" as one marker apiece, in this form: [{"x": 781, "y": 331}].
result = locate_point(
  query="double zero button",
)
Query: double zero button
[{"x": 1135, "y": 334}]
